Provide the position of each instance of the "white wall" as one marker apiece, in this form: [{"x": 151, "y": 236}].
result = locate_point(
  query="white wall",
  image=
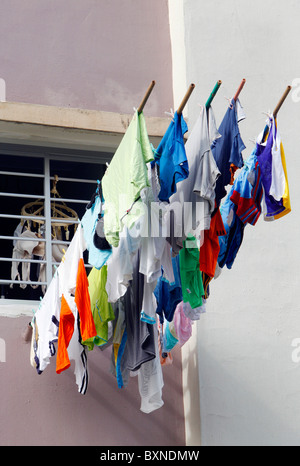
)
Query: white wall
[{"x": 249, "y": 384}]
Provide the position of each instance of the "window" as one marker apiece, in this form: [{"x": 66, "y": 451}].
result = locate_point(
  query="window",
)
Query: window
[{"x": 43, "y": 195}]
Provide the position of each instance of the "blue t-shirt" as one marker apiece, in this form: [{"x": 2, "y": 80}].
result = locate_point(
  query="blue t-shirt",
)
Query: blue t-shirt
[
  {"x": 171, "y": 159},
  {"x": 227, "y": 150}
]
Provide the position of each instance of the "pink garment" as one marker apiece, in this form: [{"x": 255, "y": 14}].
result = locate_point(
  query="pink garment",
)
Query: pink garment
[{"x": 182, "y": 324}]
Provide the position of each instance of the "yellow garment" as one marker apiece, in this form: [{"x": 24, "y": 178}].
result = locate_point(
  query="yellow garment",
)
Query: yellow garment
[{"x": 286, "y": 196}]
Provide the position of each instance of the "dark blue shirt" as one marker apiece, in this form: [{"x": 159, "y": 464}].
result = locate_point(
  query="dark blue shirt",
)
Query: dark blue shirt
[{"x": 227, "y": 150}]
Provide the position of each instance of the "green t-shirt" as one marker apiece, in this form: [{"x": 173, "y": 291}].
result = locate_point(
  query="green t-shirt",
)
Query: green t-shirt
[
  {"x": 124, "y": 179},
  {"x": 191, "y": 278}
]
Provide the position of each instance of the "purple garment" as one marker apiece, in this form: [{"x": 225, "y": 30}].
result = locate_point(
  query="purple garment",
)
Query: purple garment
[{"x": 264, "y": 157}]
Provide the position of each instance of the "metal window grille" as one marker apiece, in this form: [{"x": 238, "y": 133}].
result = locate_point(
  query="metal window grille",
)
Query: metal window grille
[{"x": 46, "y": 218}]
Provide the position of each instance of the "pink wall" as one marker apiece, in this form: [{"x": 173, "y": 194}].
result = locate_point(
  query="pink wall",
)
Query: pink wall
[
  {"x": 94, "y": 54},
  {"x": 47, "y": 409},
  {"x": 102, "y": 55}
]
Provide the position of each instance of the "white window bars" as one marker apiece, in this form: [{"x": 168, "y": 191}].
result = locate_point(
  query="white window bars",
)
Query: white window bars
[{"x": 46, "y": 219}]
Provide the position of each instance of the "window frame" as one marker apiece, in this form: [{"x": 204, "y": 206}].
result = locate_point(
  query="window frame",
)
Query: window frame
[{"x": 20, "y": 307}]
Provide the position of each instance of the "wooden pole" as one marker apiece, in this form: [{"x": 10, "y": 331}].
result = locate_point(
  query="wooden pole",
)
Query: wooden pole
[
  {"x": 281, "y": 101},
  {"x": 185, "y": 99},
  {"x": 235, "y": 98},
  {"x": 146, "y": 97}
]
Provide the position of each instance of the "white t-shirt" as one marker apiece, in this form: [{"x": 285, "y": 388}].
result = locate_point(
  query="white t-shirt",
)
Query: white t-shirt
[{"x": 46, "y": 320}]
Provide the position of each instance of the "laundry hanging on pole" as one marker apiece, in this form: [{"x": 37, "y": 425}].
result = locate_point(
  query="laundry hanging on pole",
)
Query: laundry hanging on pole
[{"x": 167, "y": 229}]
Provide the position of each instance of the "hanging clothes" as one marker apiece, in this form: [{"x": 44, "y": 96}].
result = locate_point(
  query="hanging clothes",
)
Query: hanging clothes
[
  {"x": 45, "y": 326},
  {"x": 158, "y": 226},
  {"x": 96, "y": 257},
  {"x": 66, "y": 301},
  {"x": 119, "y": 355},
  {"x": 140, "y": 345},
  {"x": 209, "y": 250},
  {"x": 247, "y": 192},
  {"x": 271, "y": 159},
  {"x": 170, "y": 156},
  {"x": 66, "y": 330},
  {"x": 227, "y": 150},
  {"x": 242, "y": 206},
  {"x": 191, "y": 207},
  {"x": 69, "y": 345},
  {"x": 170, "y": 338},
  {"x": 183, "y": 325},
  {"x": 73, "y": 284},
  {"x": 102, "y": 310},
  {"x": 124, "y": 179},
  {"x": 191, "y": 279},
  {"x": 151, "y": 382},
  {"x": 119, "y": 265},
  {"x": 167, "y": 294}
]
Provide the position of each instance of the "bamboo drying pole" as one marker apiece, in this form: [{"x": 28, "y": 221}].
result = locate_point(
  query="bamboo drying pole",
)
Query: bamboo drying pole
[
  {"x": 146, "y": 97},
  {"x": 235, "y": 98},
  {"x": 185, "y": 99},
  {"x": 281, "y": 101},
  {"x": 213, "y": 94}
]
